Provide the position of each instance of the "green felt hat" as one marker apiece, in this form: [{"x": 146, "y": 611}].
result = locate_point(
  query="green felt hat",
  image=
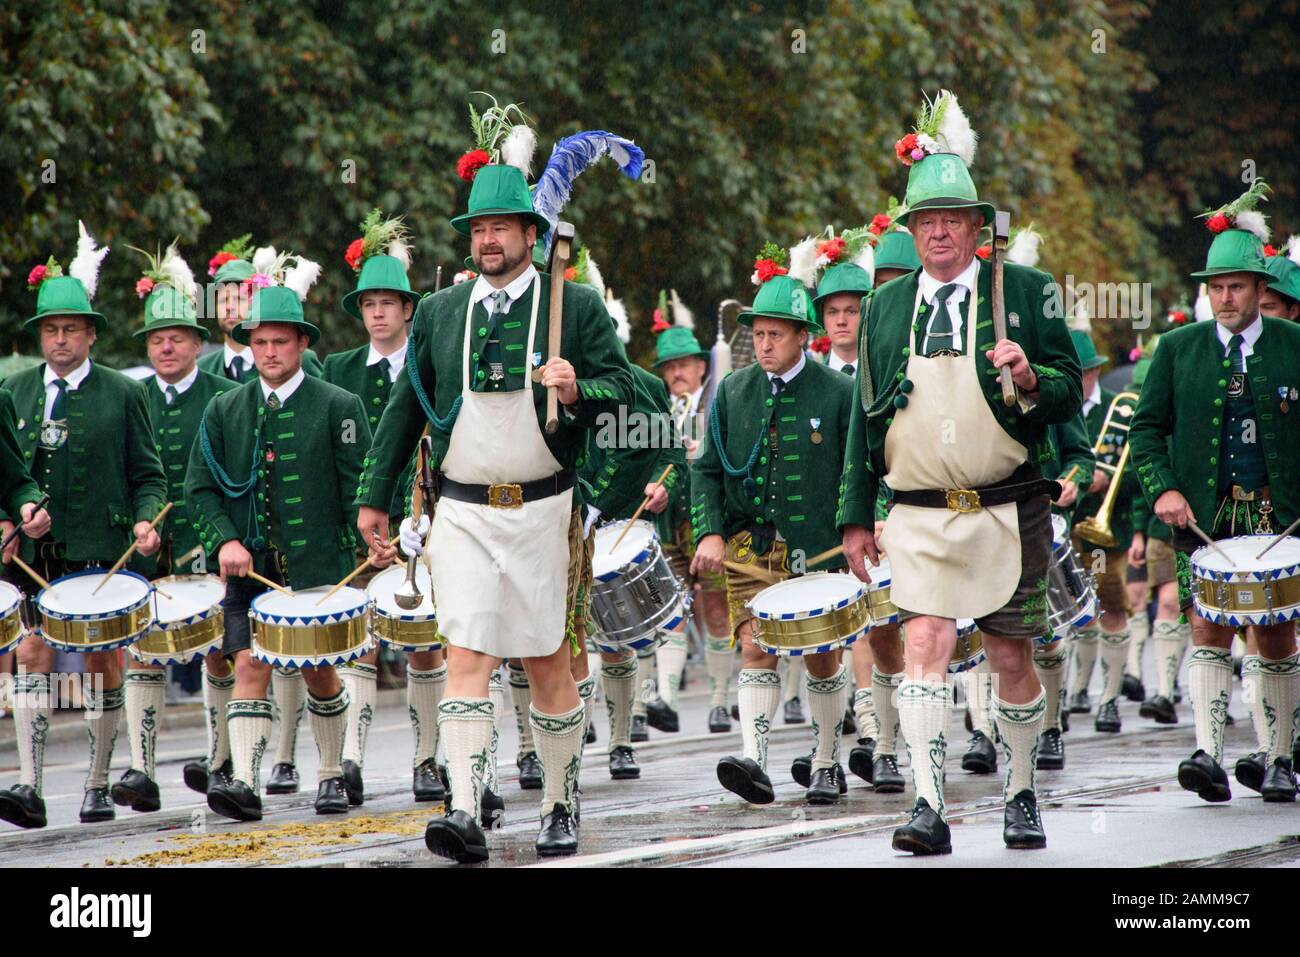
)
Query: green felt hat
[
  {"x": 782, "y": 297},
  {"x": 500, "y": 190},
  {"x": 169, "y": 308},
  {"x": 1088, "y": 357},
  {"x": 840, "y": 278},
  {"x": 380, "y": 272},
  {"x": 236, "y": 270},
  {"x": 1234, "y": 250},
  {"x": 941, "y": 181},
  {"x": 274, "y": 304},
  {"x": 677, "y": 342},
  {"x": 1284, "y": 276},
  {"x": 897, "y": 250},
  {"x": 63, "y": 296}
]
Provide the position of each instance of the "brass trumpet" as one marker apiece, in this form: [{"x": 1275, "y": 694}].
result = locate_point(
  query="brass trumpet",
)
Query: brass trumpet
[{"x": 1096, "y": 530}]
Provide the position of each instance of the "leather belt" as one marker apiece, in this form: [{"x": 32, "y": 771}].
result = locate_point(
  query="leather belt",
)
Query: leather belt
[
  {"x": 1023, "y": 484},
  {"x": 1241, "y": 495},
  {"x": 507, "y": 494}
]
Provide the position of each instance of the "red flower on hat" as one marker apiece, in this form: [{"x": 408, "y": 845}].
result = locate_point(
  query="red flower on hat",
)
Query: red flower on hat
[
  {"x": 660, "y": 324},
  {"x": 1177, "y": 316},
  {"x": 905, "y": 147},
  {"x": 1269, "y": 250},
  {"x": 219, "y": 260},
  {"x": 1218, "y": 223},
  {"x": 983, "y": 252},
  {"x": 831, "y": 250},
  {"x": 353, "y": 255},
  {"x": 143, "y": 287},
  {"x": 36, "y": 276},
  {"x": 571, "y": 273},
  {"x": 821, "y": 345},
  {"x": 467, "y": 166},
  {"x": 765, "y": 269},
  {"x": 879, "y": 223}
]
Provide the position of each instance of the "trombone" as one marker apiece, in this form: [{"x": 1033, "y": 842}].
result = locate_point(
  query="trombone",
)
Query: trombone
[{"x": 1096, "y": 530}]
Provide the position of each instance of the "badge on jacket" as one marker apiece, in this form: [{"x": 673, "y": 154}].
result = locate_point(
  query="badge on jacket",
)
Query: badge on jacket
[{"x": 816, "y": 431}]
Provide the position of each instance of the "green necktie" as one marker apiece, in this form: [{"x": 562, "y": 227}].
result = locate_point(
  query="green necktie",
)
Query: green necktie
[
  {"x": 171, "y": 394},
  {"x": 383, "y": 366},
  {"x": 273, "y": 402},
  {"x": 237, "y": 368},
  {"x": 1234, "y": 354},
  {"x": 59, "y": 411},
  {"x": 940, "y": 335}
]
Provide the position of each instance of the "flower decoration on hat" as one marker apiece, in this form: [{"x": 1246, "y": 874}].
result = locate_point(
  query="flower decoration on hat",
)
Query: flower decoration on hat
[
  {"x": 821, "y": 345},
  {"x": 1178, "y": 315},
  {"x": 380, "y": 236},
  {"x": 502, "y": 134},
  {"x": 241, "y": 247},
  {"x": 660, "y": 315},
  {"x": 1241, "y": 213},
  {"x": 887, "y": 221},
  {"x": 771, "y": 261},
  {"x": 50, "y": 269},
  {"x": 465, "y": 275},
  {"x": 166, "y": 268},
  {"x": 941, "y": 127}
]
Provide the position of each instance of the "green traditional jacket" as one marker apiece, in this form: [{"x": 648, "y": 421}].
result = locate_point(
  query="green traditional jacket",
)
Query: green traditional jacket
[
  {"x": 1070, "y": 448},
  {"x": 793, "y": 444},
  {"x": 115, "y": 477},
  {"x": 1178, "y": 429},
  {"x": 212, "y": 363},
  {"x": 1034, "y": 321},
  {"x": 16, "y": 485},
  {"x": 434, "y": 352},
  {"x": 289, "y": 477},
  {"x": 622, "y": 458},
  {"x": 1112, "y": 446}
]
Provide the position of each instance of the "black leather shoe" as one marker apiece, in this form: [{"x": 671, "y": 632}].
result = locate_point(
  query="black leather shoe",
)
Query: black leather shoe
[
  {"x": 1108, "y": 718},
  {"x": 661, "y": 717},
  {"x": 1159, "y": 708},
  {"x": 234, "y": 799},
  {"x": 195, "y": 775},
  {"x": 590, "y": 736},
  {"x": 1133, "y": 689},
  {"x": 827, "y": 786},
  {"x": 793, "y": 712},
  {"x": 137, "y": 791},
  {"x": 1250, "y": 770},
  {"x": 97, "y": 806},
  {"x": 332, "y": 797},
  {"x": 458, "y": 837},
  {"x": 1279, "y": 783},
  {"x": 850, "y": 723},
  {"x": 1051, "y": 751},
  {"x": 1080, "y": 703},
  {"x": 283, "y": 779},
  {"x": 885, "y": 774},
  {"x": 638, "y": 732},
  {"x": 427, "y": 785},
  {"x": 735, "y": 712},
  {"x": 1022, "y": 828},
  {"x": 622, "y": 764},
  {"x": 861, "y": 757},
  {"x": 530, "y": 771},
  {"x": 559, "y": 834},
  {"x": 21, "y": 805},
  {"x": 926, "y": 833},
  {"x": 1202, "y": 774},
  {"x": 719, "y": 720},
  {"x": 743, "y": 776},
  {"x": 353, "y": 784},
  {"x": 224, "y": 773},
  {"x": 981, "y": 756},
  {"x": 491, "y": 809},
  {"x": 801, "y": 770}
]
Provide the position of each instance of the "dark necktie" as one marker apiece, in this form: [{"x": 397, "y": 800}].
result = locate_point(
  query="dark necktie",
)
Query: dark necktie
[
  {"x": 778, "y": 385},
  {"x": 171, "y": 394},
  {"x": 383, "y": 366},
  {"x": 941, "y": 336},
  {"x": 1234, "y": 354},
  {"x": 237, "y": 368},
  {"x": 847, "y": 368},
  {"x": 273, "y": 402},
  {"x": 58, "y": 411}
]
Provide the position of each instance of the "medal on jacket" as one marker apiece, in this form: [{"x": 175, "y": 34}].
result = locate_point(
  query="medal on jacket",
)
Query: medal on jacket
[
  {"x": 53, "y": 434},
  {"x": 816, "y": 436},
  {"x": 1283, "y": 393}
]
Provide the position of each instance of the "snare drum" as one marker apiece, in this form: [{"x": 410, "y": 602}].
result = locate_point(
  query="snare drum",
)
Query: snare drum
[
  {"x": 292, "y": 631},
  {"x": 1245, "y": 590},
  {"x": 1071, "y": 599},
  {"x": 634, "y": 593},
  {"x": 11, "y": 621},
  {"x": 74, "y": 619},
  {"x": 414, "y": 630},
  {"x": 188, "y": 621},
  {"x": 969, "y": 651},
  {"x": 879, "y": 604},
  {"x": 810, "y": 614}
]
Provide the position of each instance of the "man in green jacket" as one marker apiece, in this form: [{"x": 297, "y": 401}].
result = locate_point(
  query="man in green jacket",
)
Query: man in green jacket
[
  {"x": 1216, "y": 442},
  {"x": 971, "y": 509},
  {"x": 270, "y": 485},
  {"x": 84, "y": 429}
]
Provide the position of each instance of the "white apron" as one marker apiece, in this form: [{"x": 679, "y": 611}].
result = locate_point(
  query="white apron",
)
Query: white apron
[
  {"x": 500, "y": 574},
  {"x": 946, "y": 563}
]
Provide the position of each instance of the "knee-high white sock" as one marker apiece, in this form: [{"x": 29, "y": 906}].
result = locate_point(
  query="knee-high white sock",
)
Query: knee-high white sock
[
  {"x": 587, "y": 695},
  {"x": 884, "y": 689},
  {"x": 1114, "y": 652},
  {"x": 718, "y": 659},
  {"x": 423, "y": 692},
  {"x": 1085, "y": 656},
  {"x": 559, "y": 748},
  {"x": 647, "y": 666},
  {"x": 521, "y": 696},
  {"x": 32, "y": 722},
  {"x": 979, "y": 698},
  {"x": 1049, "y": 662},
  {"x": 216, "y": 695},
  {"x": 671, "y": 657},
  {"x": 1139, "y": 627},
  {"x": 103, "y": 711},
  {"x": 792, "y": 680},
  {"x": 1279, "y": 693},
  {"x": 146, "y": 693},
  {"x": 759, "y": 691},
  {"x": 1250, "y": 695},
  {"x": 497, "y": 695},
  {"x": 923, "y": 708},
  {"x": 1020, "y": 725},
  {"x": 864, "y": 712},
  {"x": 619, "y": 680},
  {"x": 827, "y": 699},
  {"x": 249, "y": 721},
  {"x": 329, "y": 722},
  {"x": 362, "y": 684},
  {"x": 1210, "y": 676},
  {"x": 1170, "y": 643},
  {"x": 465, "y": 725},
  {"x": 290, "y": 692}
]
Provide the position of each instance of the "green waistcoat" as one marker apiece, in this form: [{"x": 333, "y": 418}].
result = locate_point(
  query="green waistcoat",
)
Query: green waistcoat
[
  {"x": 1121, "y": 516},
  {"x": 16, "y": 485},
  {"x": 289, "y": 477},
  {"x": 434, "y": 353},
  {"x": 1034, "y": 321},
  {"x": 1177, "y": 431},
  {"x": 115, "y": 478},
  {"x": 793, "y": 445},
  {"x": 213, "y": 363}
]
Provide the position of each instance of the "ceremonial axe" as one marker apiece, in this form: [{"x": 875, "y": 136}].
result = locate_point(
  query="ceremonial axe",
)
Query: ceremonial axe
[
  {"x": 560, "y": 252},
  {"x": 1001, "y": 232}
]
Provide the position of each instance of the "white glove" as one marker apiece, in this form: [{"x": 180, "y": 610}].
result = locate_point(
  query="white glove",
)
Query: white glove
[
  {"x": 412, "y": 535},
  {"x": 593, "y": 516}
]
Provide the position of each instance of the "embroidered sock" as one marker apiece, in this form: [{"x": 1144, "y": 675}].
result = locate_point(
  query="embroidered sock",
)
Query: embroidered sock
[
  {"x": 249, "y": 721},
  {"x": 32, "y": 722},
  {"x": 1085, "y": 656},
  {"x": 1140, "y": 627},
  {"x": 619, "y": 680},
  {"x": 465, "y": 725},
  {"x": 1279, "y": 693},
  {"x": 1050, "y": 662},
  {"x": 760, "y": 696},
  {"x": 423, "y": 692},
  {"x": 559, "y": 748},
  {"x": 217, "y": 693},
  {"x": 718, "y": 659},
  {"x": 1020, "y": 725},
  {"x": 647, "y": 666},
  {"x": 884, "y": 691},
  {"x": 1170, "y": 642},
  {"x": 146, "y": 693},
  {"x": 1210, "y": 677},
  {"x": 587, "y": 695},
  {"x": 497, "y": 695},
  {"x": 362, "y": 684},
  {"x": 923, "y": 708},
  {"x": 1114, "y": 652},
  {"x": 671, "y": 657},
  {"x": 522, "y": 697},
  {"x": 289, "y": 692},
  {"x": 1250, "y": 695},
  {"x": 103, "y": 710},
  {"x": 979, "y": 698},
  {"x": 827, "y": 699},
  {"x": 864, "y": 712},
  {"x": 329, "y": 722}
]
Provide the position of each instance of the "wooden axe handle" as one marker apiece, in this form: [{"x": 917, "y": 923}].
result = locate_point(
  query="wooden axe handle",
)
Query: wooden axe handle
[
  {"x": 559, "y": 263},
  {"x": 1001, "y": 232}
]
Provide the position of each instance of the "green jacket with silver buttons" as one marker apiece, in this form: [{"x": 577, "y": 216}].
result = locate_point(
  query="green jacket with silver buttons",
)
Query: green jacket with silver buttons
[{"x": 16, "y": 485}]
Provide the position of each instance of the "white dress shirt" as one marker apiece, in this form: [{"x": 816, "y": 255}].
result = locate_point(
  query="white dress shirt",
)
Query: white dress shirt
[
  {"x": 1094, "y": 398},
  {"x": 228, "y": 355},
  {"x": 966, "y": 286},
  {"x": 396, "y": 361},
  {"x": 73, "y": 379},
  {"x": 284, "y": 391},
  {"x": 181, "y": 387},
  {"x": 836, "y": 364},
  {"x": 788, "y": 376},
  {"x": 521, "y": 284},
  {"x": 1249, "y": 336}
]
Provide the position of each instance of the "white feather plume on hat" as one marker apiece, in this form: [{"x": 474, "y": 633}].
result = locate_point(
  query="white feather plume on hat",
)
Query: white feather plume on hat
[
  {"x": 866, "y": 260},
  {"x": 954, "y": 130},
  {"x": 518, "y": 149},
  {"x": 301, "y": 276},
  {"x": 1292, "y": 249},
  {"x": 1202, "y": 310},
  {"x": 400, "y": 251},
  {"x": 1252, "y": 221},
  {"x": 594, "y": 278},
  {"x": 681, "y": 315},
  {"x": 85, "y": 266},
  {"x": 178, "y": 272},
  {"x": 618, "y": 312},
  {"x": 1024, "y": 247},
  {"x": 264, "y": 259},
  {"x": 803, "y": 261}
]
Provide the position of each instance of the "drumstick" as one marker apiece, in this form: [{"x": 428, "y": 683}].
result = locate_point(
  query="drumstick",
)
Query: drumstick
[
  {"x": 176, "y": 562},
  {"x": 752, "y": 572},
  {"x": 1069, "y": 475},
  {"x": 356, "y": 571},
  {"x": 829, "y": 553},
  {"x": 641, "y": 508},
  {"x": 28, "y": 569},
  {"x": 266, "y": 581},
  {"x": 1209, "y": 541},
  {"x": 18, "y": 526},
  {"x": 131, "y": 551},
  {"x": 1294, "y": 525}
]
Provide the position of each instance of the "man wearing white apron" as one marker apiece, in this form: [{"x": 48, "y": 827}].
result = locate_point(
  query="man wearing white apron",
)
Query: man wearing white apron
[
  {"x": 506, "y": 538},
  {"x": 969, "y": 534}
]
